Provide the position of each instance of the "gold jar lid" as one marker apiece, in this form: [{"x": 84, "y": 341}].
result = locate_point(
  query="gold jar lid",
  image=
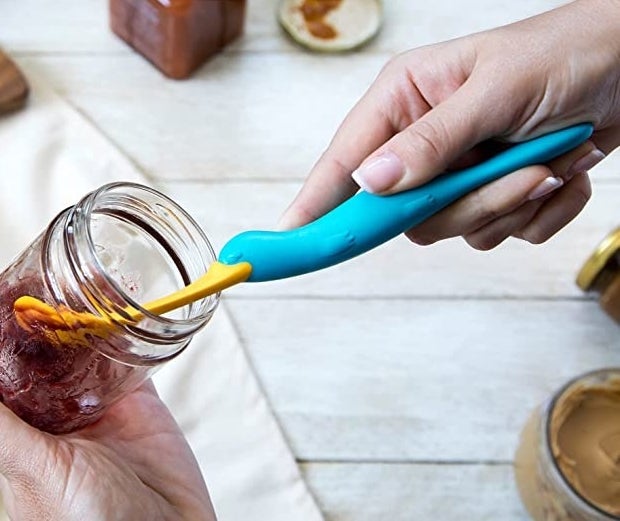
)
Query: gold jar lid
[
  {"x": 331, "y": 25},
  {"x": 604, "y": 254}
]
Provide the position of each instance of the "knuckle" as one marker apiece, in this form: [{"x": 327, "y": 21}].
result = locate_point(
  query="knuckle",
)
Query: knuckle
[
  {"x": 485, "y": 211},
  {"x": 538, "y": 231},
  {"x": 582, "y": 189},
  {"x": 430, "y": 139},
  {"x": 395, "y": 65},
  {"x": 419, "y": 238},
  {"x": 535, "y": 234},
  {"x": 482, "y": 242},
  {"x": 541, "y": 230},
  {"x": 401, "y": 59}
]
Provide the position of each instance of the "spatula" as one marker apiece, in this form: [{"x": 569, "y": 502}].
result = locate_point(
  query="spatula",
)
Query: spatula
[{"x": 356, "y": 226}]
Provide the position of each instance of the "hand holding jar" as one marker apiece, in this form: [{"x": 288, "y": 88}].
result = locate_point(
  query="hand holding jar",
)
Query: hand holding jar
[
  {"x": 134, "y": 463},
  {"x": 119, "y": 246}
]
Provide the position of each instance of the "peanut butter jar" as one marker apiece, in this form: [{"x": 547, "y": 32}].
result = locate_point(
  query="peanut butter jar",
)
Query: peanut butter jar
[
  {"x": 567, "y": 465},
  {"x": 600, "y": 274},
  {"x": 331, "y": 25}
]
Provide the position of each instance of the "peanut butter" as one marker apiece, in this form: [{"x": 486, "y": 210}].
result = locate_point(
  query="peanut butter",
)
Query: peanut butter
[
  {"x": 314, "y": 13},
  {"x": 330, "y": 25},
  {"x": 567, "y": 465},
  {"x": 584, "y": 434}
]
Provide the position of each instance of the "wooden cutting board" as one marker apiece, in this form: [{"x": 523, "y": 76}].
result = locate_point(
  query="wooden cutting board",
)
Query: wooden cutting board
[{"x": 13, "y": 85}]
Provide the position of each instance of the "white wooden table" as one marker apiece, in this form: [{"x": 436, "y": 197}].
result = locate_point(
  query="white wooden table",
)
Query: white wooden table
[{"x": 402, "y": 378}]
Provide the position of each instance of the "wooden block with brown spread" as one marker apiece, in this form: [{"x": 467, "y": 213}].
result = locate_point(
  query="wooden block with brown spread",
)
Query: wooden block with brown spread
[{"x": 13, "y": 85}]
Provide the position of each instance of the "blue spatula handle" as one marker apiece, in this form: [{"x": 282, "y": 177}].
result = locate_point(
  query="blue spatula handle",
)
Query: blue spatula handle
[{"x": 365, "y": 221}]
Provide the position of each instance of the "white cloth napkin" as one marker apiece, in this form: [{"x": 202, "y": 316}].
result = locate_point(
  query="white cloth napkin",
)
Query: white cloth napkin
[{"x": 50, "y": 157}]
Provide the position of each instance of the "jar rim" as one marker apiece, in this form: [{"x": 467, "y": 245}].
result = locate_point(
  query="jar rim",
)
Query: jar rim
[
  {"x": 185, "y": 247},
  {"x": 197, "y": 229}
]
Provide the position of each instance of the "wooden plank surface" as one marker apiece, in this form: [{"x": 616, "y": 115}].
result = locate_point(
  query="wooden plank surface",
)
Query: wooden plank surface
[
  {"x": 274, "y": 128},
  {"x": 416, "y": 379},
  {"x": 80, "y": 26},
  {"x": 400, "y": 492},
  {"x": 402, "y": 378}
]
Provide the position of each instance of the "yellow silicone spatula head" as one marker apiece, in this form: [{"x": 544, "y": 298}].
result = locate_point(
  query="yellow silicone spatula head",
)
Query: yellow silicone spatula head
[{"x": 64, "y": 325}]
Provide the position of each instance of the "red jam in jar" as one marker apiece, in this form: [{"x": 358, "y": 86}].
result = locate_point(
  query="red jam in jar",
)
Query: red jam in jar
[{"x": 121, "y": 245}]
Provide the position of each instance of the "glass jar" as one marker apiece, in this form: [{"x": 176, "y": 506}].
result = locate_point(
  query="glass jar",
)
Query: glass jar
[
  {"x": 600, "y": 274},
  {"x": 331, "y": 25},
  {"x": 177, "y": 36},
  {"x": 548, "y": 467},
  {"x": 121, "y": 245}
]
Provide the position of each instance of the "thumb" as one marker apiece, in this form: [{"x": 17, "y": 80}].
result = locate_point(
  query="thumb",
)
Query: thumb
[{"x": 424, "y": 149}]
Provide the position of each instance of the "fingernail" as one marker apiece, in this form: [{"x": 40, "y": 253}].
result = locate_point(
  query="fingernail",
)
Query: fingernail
[
  {"x": 379, "y": 173},
  {"x": 586, "y": 162},
  {"x": 283, "y": 223},
  {"x": 545, "y": 187},
  {"x": 288, "y": 220}
]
